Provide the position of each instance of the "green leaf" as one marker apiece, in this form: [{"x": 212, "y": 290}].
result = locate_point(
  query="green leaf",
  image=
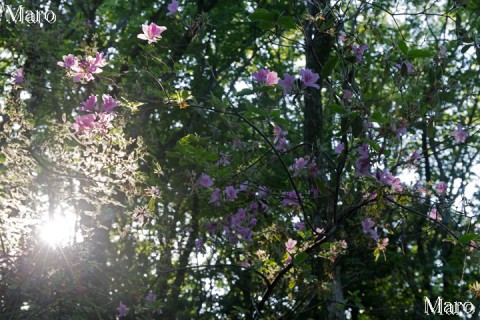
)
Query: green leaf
[
  {"x": 329, "y": 66},
  {"x": 466, "y": 238},
  {"x": 287, "y": 22},
  {"x": 419, "y": 53},
  {"x": 151, "y": 205},
  {"x": 262, "y": 15},
  {"x": 403, "y": 47},
  {"x": 299, "y": 258},
  {"x": 189, "y": 138},
  {"x": 245, "y": 92},
  {"x": 336, "y": 108},
  {"x": 465, "y": 48},
  {"x": 378, "y": 117},
  {"x": 265, "y": 25},
  {"x": 291, "y": 284}
]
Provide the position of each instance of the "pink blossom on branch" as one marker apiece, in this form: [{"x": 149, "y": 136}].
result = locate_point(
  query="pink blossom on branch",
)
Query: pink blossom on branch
[
  {"x": 85, "y": 123},
  {"x": 18, "y": 76},
  {"x": 265, "y": 76},
  {"x": 151, "y": 297},
  {"x": 230, "y": 193},
  {"x": 339, "y": 148},
  {"x": 459, "y": 135},
  {"x": 122, "y": 310},
  {"x": 109, "y": 103},
  {"x": 172, "y": 7},
  {"x": 441, "y": 187},
  {"x": 68, "y": 61},
  {"x": 290, "y": 245},
  {"x": 358, "y": 51},
  {"x": 287, "y": 83},
  {"x": 215, "y": 197},
  {"x": 363, "y": 162},
  {"x": 433, "y": 214},
  {"x": 90, "y": 104},
  {"x": 309, "y": 78},
  {"x": 151, "y": 33},
  {"x": 205, "y": 181},
  {"x": 408, "y": 66}
]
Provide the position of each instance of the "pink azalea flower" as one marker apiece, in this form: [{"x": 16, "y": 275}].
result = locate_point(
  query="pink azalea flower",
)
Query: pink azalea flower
[
  {"x": 443, "y": 51},
  {"x": 223, "y": 160},
  {"x": 414, "y": 156},
  {"x": 358, "y": 51},
  {"x": 261, "y": 75},
  {"x": 18, "y": 77},
  {"x": 441, "y": 187},
  {"x": 215, "y": 197},
  {"x": 289, "y": 198},
  {"x": 100, "y": 61},
  {"x": 86, "y": 68},
  {"x": 68, "y": 61},
  {"x": 104, "y": 121},
  {"x": 459, "y": 135},
  {"x": 287, "y": 83},
  {"x": 367, "y": 224},
  {"x": 433, "y": 214},
  {"x": 122, "y": 310},
  {"x": 151, "y": 33},
  {"x": 347, "y": 94},
  {"x": 272, "y": 78},
  {"x": 230, "y": 193},
  {"x": 265, "y": 76},
  {"x": 309, "y": 78},
  {"x": 199, "y": 243},
  {"x": 205, "y": 181},
  {"x": 109, "y": 103},
  {"x": 84, "y": 123},
  {"x": 262, "y": 191},
  {"x": 290, "y": 245},
  {"x": 388, "y": 178},
  {"x": 172, "y": 7},
  {"x": 299, "y": 165},
  {"x": 363, "y": 162},
  {"x": 90, "y": 104},
  {"x": 300, "y": 226},
  {"x": 151, "y": 297},
  {"x": 339, "y": 148},
  {"x": 408, "y": 65}
]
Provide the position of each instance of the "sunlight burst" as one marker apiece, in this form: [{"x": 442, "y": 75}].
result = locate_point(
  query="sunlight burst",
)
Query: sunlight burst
[{"x": 60, "y": 231}]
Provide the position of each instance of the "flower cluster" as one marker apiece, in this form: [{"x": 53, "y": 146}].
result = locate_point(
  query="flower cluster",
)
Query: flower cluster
[
  {"x": 239, "y": 226},
  {"x": 266, "y": 77},
  {"x": 84, "y": 68},
  {"x": 279, "y": 140},
  {"x": 363, "y": 161},
  {"x": 308, "y": 78},
  {"x": 388, "y": 178},
  {"x": 304, "y": 166},
  {"x": 367, "y": 226},
  {"x": 97, "y": 118}
]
